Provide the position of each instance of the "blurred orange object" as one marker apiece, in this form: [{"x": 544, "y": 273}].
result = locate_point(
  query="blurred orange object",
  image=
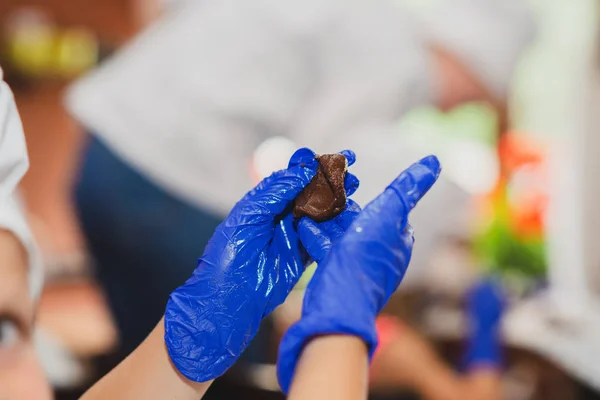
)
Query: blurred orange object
[
  {"x": 511, "y": 238},
  {"x": 523, "y": 160},
  {"x": 523, "y": 183},
  {"x": 516, "y": 149}
]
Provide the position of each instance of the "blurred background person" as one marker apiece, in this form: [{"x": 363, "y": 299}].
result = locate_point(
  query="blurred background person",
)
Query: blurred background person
[
  {"x": 405, "y": 360},
  {"x": 182, "y": 108}
]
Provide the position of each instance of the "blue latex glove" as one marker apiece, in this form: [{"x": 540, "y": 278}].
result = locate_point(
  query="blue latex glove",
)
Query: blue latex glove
[
  {"x": 485, "y": 307},
  {"x": 319, "y": 237},
  {"x": 355, "y": 280},
  {"x": 248, "y": 268}
]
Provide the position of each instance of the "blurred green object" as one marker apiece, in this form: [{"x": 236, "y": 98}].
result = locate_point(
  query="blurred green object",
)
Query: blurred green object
[
  {"x": 433, "y": 128},
  {"x": 503, "y": 252},
  {"x": 512, "y": 243}
]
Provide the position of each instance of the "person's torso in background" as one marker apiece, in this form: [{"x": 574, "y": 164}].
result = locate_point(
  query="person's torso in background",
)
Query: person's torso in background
[{"x": 189, "y": 101}]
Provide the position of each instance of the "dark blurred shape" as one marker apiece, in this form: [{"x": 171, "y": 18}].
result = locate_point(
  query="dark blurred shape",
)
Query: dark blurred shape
[{"x": 143, "y": 230}]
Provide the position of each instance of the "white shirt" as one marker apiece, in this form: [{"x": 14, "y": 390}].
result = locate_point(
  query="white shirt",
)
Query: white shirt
[
  {"x": 189, "y": 101},
  {"x": 59, "y": 365},
  {"x": 14, "y": 162}
]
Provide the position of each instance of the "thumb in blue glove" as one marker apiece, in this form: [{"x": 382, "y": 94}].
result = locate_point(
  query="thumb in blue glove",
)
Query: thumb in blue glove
[
  {"x": 248, "y": 268},
  {"x": 355, "y": 279},
  {"x": 485, "y": 307},
  {"x": 319, "y": 237}
]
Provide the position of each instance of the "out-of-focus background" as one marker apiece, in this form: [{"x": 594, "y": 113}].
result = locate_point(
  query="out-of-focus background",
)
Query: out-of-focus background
[{"x": 520, "y": 166}]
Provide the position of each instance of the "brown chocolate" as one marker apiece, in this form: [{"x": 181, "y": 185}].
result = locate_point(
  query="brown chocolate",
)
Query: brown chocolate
[{"x": 325, "y": 196}]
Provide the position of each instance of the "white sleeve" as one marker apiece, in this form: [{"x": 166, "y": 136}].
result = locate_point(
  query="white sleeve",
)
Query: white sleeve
[
  {"x": 372, "y": 65},
  {"x": 13, "y": 150},
  {"x": 14, "y": 162}
]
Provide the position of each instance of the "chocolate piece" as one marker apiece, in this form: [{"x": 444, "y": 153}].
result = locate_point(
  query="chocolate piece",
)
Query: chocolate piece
[{"x": 325, "y": 196}]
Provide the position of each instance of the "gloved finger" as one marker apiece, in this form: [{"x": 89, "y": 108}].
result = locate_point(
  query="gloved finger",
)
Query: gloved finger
[
  {"x": 351, "y": 184},
  {"x": 334, "y": 231},
  {"x": 415, "y": 181},
  {"x": 279, "y": 191},
  {"x": 346, "y": 218},
  {"x": 278, "y": 282},
  {"x": 303, "y": 156},
  {"x": 338, "y": 226},
  {"x": 314, "y": 238},
  {"x": 262, "y": 184},
  {"x": 318, "y": 238},
  {"x": 350, "y": 156},
  {"x": 303, "y": 163},
  {"x": 307, "y": 157},
  {"x": 266, "y": 182},
  {"x": 404, "y": 192}
]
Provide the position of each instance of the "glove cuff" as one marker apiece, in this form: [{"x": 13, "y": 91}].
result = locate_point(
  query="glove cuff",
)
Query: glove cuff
[
  {"x": 204, "y": 346},
  {"x": 309, "y": 327},
  {"x": 484, "y": 349}
]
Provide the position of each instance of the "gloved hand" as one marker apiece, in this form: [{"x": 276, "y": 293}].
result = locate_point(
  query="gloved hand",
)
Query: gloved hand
[
  {"x": 355, "y": 280},
  {"x": 248, "y": 268},
  {"x": 318, "y": 237},
  {"x": 485, "y": 306}
]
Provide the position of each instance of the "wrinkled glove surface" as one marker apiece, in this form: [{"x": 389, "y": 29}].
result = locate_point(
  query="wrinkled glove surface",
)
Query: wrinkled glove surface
[{"x": 248, "y": 268}]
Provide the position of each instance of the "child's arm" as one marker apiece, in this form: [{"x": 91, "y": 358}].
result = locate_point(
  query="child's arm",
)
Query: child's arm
[
  {"x": 248, "y": 268},
  {"x": 147, "y": 374},
  {"x": 332, "y": 367},
  {"x": 439, "y": 382},
  {"x": 409, "y": 362}
]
